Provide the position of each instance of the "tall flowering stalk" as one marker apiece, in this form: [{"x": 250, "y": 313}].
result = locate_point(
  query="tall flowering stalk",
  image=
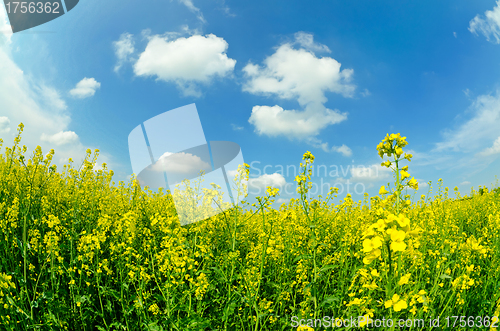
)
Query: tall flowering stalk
[
  {"x": 304, "y": 184},
  {"x": 392, "y": 146},
  {"x": 386, "y": 238},
  {"x": 265, "y": 206}
]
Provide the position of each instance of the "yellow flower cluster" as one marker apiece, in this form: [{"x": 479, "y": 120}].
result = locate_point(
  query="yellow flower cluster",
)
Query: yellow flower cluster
[
  {"x": 393, "y": 144},
  {"x": 396, "y": 302},
  {"x": 82, "y": 253},
  {"x": 392, "y": 230}
]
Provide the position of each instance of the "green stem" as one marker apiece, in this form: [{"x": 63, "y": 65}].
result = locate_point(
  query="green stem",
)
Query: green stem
[
  {"x": 398, "y": 188},
  {"x": 262, "y": 261},
  {"x": 390, "y": 264}
]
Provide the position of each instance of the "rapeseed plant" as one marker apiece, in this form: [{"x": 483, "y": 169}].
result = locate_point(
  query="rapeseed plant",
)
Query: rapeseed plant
[{"x": 81, "y": 252}]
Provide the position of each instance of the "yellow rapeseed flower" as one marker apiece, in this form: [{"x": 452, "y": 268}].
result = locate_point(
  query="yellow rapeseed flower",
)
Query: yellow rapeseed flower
[
  {"x": 403, "y": 221},
  {"x": 398, "y": 246},
  {"x": 398, "y": 306},
  {"x": 413, "y": 183},
  {"x": 371, "y": 244},
  {"x": 404, "y": 175},
  {"x": 396, "y": 303},
  {"x": 382, "y": 190},
  {"x": 404, "y": 279}
]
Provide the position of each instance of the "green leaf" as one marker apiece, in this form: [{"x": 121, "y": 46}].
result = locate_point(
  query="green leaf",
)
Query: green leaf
[
  {"x": 329, "y": 300},
  {"x": 302, "y": 257},
  {"x": 326, "y": 268}
]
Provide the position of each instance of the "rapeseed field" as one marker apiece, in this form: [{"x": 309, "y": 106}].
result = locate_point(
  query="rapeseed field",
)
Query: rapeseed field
[{"x": 79, "y": 252}]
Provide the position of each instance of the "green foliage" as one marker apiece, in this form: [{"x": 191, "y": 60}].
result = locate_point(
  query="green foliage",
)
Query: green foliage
[{"x": 79, "y": 252}]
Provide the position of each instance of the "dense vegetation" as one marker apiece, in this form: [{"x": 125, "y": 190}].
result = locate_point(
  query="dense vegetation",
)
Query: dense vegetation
[{"x": 78, "y": 252}]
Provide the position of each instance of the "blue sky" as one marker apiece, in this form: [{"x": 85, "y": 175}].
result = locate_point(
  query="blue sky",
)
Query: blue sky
[{"x": 278, "y": 78}]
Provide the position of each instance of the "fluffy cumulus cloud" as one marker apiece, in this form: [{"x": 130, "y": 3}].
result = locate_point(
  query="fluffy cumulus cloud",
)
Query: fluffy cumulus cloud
[
  {"x": 4, "y": 124},
  {"x": 262, "y": 182},
  {"x": 488, "y": 25},
  {"x": 180, "y": 163},
  {"x": 298, "y": 74},
  {"x": 186, "y": 62},
  {"x": 60, "y": 138},
  {"x": 274, "y": 121},
  {"x": 477, "y": 132},
  {"x": 124, "y": 48},
  {"x": 85, "y": 88}
]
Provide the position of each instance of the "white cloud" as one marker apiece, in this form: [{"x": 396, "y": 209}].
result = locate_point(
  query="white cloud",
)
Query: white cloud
[
  {"x": 236, "y": 127},
  {"x": 495, "y": 149},
  {"x": 4, "y": 124},
  {"x": 226, "y": 9},
  {"x": 185, "y": 61},
  {"x": 298, "y": 74},
  {"x": 40, "y": 108},
  {"x": 470, "y": 146},
  {"x": 306, "y": 40},
  {"x": 465, "y": 183},
  {"x": 489, "y": 26},
  {"x": 480, "y": 128},
  {"x": 366, "y": 93},
  {"x": 60, "y": 138},
  {"x": 317, "y": 143},
  {"x": 422, "y": 183},
  {"x": 262, "y": 182},
  {"x": 231, "y": 174},
  {"x": 291, "y": 73},
  {"x": 25, "y": 102},
  {"x": 124, "y": 48},
  {"x": 195, "y": 10},
  {"x": 274, "y": 121},
  {"x": 372, "y": 173},
  {"x": 98, "y": 166},
  {"x": 5, "y": 28},
  {"x": 180, "y": 163},
  {"x": 454, "y": 34},
  {"x": 344, "y": 150},
  {"x": 85, "y": 88},
  {"x": 282, "y": 200},
  {"x": 51, "y": 98}
]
